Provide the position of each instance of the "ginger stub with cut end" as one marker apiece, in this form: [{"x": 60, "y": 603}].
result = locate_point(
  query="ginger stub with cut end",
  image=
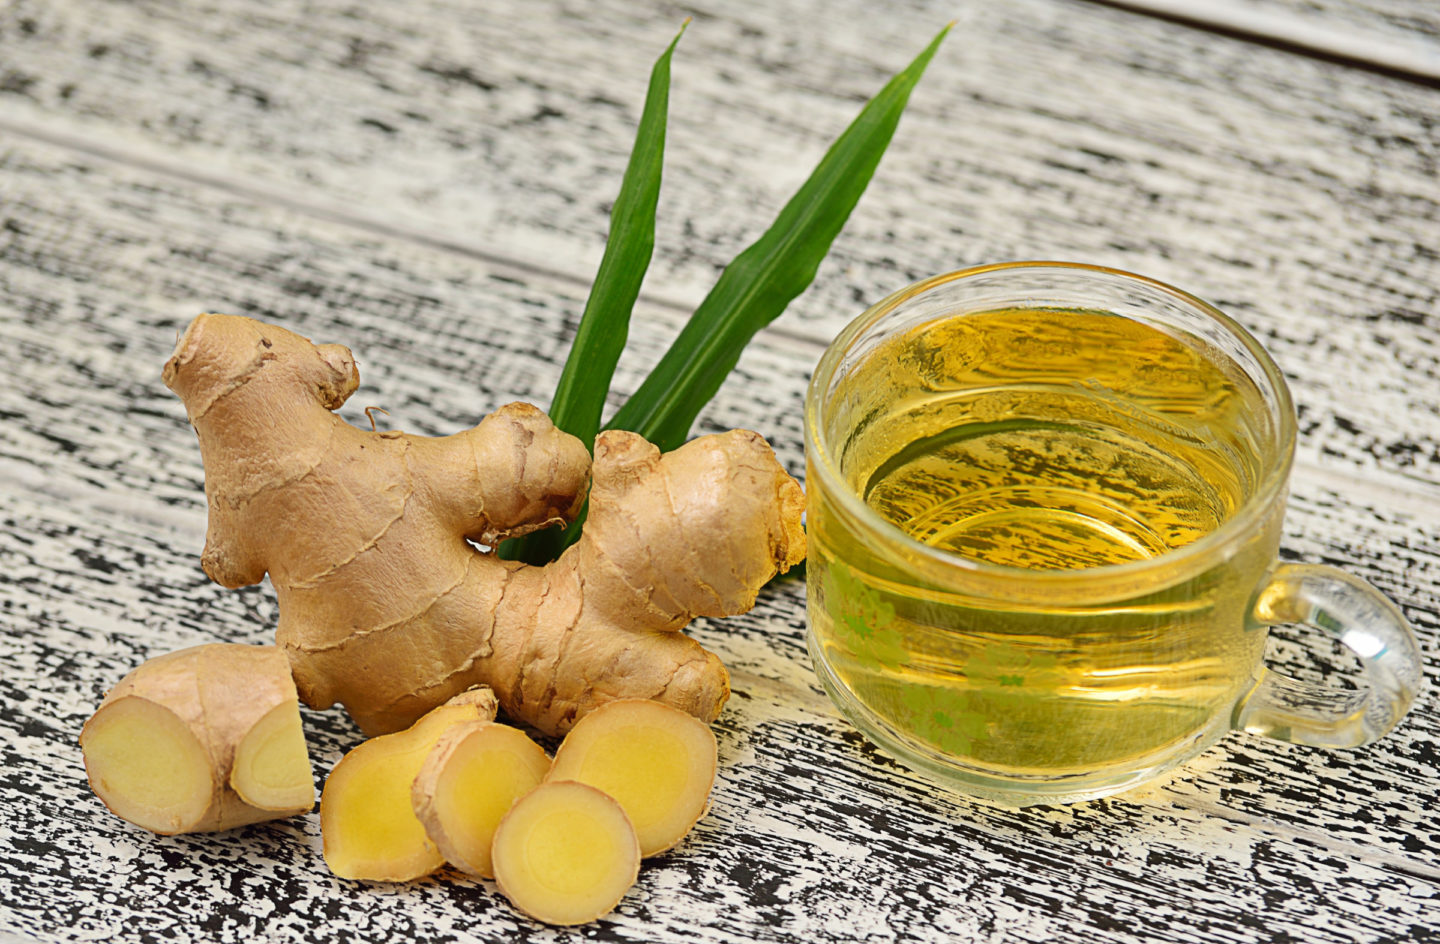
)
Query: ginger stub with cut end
[
  {"x": 565, "y": 853},
  {"x": 367, "y": 823},
  {"x": 469, "y": 781},
  {"x": 385, "y": 604},
  {"x": 200, "y": 740},
  {"x": 658, "y": 763}
]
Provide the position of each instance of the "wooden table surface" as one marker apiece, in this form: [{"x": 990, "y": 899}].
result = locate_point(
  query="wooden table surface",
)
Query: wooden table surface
[{"x": 428, "y": 182}]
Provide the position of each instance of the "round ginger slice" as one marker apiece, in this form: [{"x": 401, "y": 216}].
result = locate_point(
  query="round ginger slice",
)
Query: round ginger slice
[
  {"x": 271, "y": 770},
  {"x": 565, "y": 853},
  {"x": 366, "y": 824},
  {"x": 147, "y": 766},
  {"x": 468, "y": 783},
  {"x": 658, "y": 762}
]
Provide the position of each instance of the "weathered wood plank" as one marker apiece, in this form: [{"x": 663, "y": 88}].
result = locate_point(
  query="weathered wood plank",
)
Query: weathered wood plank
[
  {"x": 814, "y": 834},
  {"x": 1296, "y": 194},
  {"x": 995, "y": 160},
  {"x": 1398, "y": 35},
  {"x": 1389, "y": 18}
]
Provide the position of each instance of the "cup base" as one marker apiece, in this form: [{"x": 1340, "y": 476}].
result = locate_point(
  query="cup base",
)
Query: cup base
[{"x": 1012, "y": 790}]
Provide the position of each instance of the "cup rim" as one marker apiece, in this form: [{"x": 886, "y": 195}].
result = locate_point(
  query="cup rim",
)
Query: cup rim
[{"x": 1274, "y": 482}]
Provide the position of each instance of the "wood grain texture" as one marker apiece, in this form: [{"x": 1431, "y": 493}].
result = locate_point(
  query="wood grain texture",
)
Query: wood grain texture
[
  {"x": 814, "y": 834},
  {"x": 1379, "y": 17},
  {"x": 1297, "y": 195},
  {"x": 428, "y": 184},
  {"x": 510, "y": 126},
  {"x": 1401, "y": 37}
]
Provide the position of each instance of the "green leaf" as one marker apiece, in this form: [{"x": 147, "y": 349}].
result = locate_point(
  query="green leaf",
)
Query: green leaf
[
  {"x": 758, "y": 285},
  {"x": 580, "y": 395},
  {"x": 752, "y": 291},
  {"x": 600, "y": 339}
]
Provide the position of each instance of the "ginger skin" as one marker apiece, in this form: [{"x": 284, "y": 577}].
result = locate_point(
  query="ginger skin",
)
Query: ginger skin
[{"x": 386, "y": 608}]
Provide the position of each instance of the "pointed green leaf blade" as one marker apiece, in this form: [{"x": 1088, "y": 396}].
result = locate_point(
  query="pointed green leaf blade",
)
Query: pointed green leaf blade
[
  {"x": 758, "y": 285},
  {"x": 605, "y": 324},
  {"x": 600, "y": 339}
]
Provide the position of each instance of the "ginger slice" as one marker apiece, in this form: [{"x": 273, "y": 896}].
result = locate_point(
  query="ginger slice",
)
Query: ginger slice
[
  {"x": 271, "y": 769},
  {"x": 658, "y": 762},
  {"x": 471, "y": 778},
  {"x": 204, "y": 739},
  {"x": 565, "y": 853},
  {"x": 367, "y": 824},
  {"x": 147, "y": 766}
]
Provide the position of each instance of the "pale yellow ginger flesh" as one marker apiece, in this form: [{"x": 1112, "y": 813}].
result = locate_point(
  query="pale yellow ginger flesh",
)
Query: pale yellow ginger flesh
[
  {"x": 367, "y": 825},
  {"x": 658, "y": 763},
  {"x": 147, "y": 766},
  {"x": 468, "y": 782},
  {"x": 386, "y": 604},
  {"x": 565, "y": 853},
  {"x": 272, "y": 769},
  {"x": 199, "y": 740}
]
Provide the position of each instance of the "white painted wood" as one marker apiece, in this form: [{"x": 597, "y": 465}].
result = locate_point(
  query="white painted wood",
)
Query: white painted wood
[
  {"x": 1399, "y": 35},
  {"x": 814, "y": 835},
  {"x": 1008, "y": 151},
  {"x": 1299, "y": 195},
  {"x": 1296, "y": 194}
]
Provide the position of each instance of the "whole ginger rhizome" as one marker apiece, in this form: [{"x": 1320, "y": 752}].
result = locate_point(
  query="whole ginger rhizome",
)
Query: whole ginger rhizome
[{"x": 386, "y": 603}]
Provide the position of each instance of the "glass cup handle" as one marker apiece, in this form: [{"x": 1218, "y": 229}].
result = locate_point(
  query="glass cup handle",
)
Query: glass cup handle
[{"x": 1370, "y": 626}]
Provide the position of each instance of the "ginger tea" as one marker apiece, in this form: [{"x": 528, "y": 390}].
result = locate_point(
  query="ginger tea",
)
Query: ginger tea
[{"x": 1037, "y": 441}]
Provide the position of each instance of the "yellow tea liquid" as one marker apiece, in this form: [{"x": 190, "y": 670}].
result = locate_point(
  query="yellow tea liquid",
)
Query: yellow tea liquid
[{"x": 1042, "y": 440}]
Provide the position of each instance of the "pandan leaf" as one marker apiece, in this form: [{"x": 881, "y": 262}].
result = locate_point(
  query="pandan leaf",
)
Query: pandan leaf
[
  {"x": 756, "y": 287},
  {"x": 585, "y": 381},
  {"x": 752, "y": 291},
  {"x": 605, "y": 324}
]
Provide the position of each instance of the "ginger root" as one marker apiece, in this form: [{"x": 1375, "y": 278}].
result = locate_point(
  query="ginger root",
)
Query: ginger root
[
  {"x": 658, "y": 763},
  {"x": 471, "y": 778},
  {"x": 565, "y": 853},
  {"x": 200, "y": 740},
  {"x": 386, "y": 607},
  {"x": 367, "y": 824}
]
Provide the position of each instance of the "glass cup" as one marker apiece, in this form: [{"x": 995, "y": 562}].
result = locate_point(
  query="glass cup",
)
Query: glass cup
[{"x": 1045, "y": 503}]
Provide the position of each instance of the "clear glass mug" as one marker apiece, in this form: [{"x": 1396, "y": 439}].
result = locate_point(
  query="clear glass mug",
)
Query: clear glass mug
[{"x": 1045, "y": 503}]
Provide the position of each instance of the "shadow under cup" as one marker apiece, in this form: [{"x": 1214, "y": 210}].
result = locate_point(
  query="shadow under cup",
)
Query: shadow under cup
[{"x": 1045, "y": 503}]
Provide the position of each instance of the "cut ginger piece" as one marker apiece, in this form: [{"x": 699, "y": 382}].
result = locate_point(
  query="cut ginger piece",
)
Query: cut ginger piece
[
  {"x": 271, "y": 769},
  {"x": 367, "y": 824},
  {"x": 203, "y": 739},
  {"x": 565, "y": 853},
  {"x": 469, "y": 781},
  {"x": 658, "y": 762}
]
